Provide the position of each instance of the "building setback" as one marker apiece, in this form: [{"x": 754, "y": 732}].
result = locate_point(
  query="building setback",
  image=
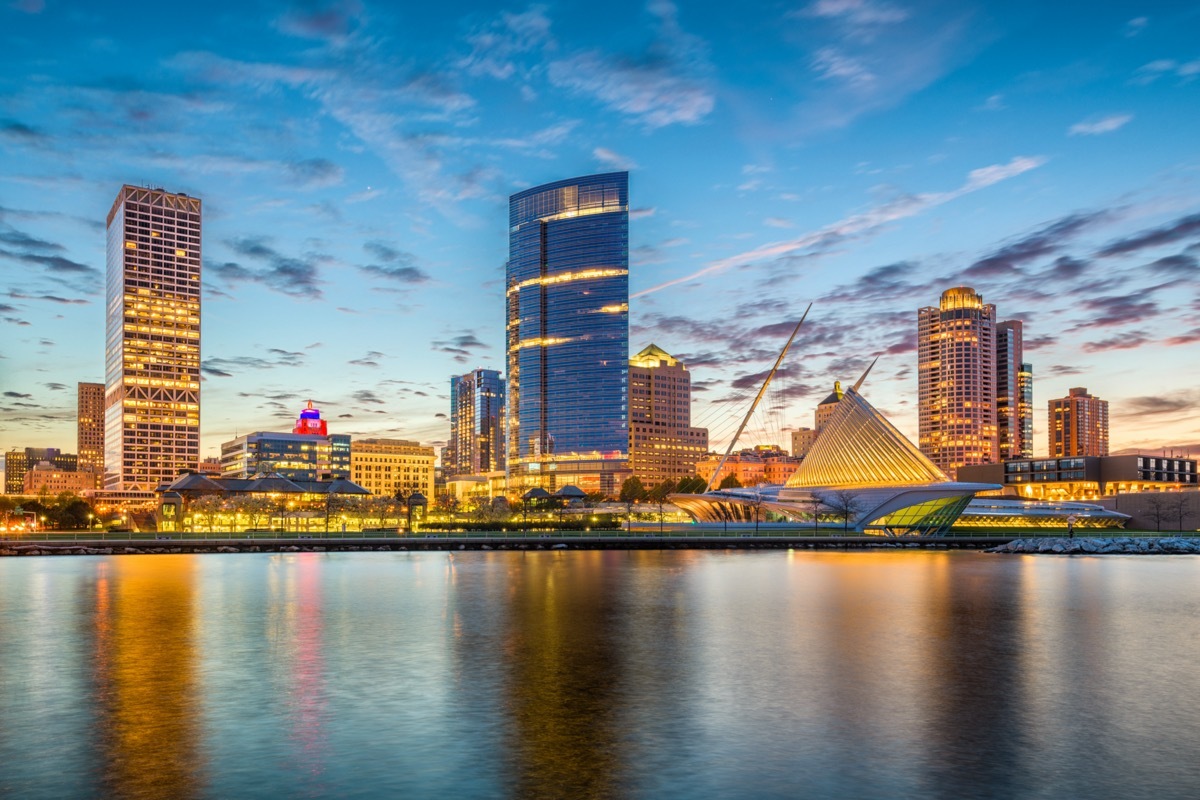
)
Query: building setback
[
  {"x": 152, "y": 344},
  {"x": 1078, "y": 425},
  {"x": 956, "y": 374},
  {"x": 476, "y": 443},
  {"x": 89, "y": 431},
  {"x": 567, "y": 335},
  {"x": 663, "y": 445},
  {"x": 296, "y": 456}
]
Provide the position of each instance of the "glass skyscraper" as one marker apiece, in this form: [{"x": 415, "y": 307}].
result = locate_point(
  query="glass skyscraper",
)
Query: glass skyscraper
[
  {"x": 476, "y": 441},
  {"x": 567, "y": 292}
]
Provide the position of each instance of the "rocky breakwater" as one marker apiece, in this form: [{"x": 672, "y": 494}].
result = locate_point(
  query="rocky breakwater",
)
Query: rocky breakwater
[{"x": 1125, "y": 545}]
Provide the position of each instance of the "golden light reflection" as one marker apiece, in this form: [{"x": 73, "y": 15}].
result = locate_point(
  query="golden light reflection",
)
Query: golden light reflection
[{"x": 145, "y": 676}]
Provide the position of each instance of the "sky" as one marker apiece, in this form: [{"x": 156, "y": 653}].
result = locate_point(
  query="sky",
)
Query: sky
[{"x": 355, "y": 160}]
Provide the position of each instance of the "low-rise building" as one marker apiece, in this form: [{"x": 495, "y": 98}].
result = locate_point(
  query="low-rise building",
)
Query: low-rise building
[
  {"x": 309, "y": 453},
  {"x": 1086, "y": 477},
  {"x": 387, "y": 466},
  {"x": 17, "y": 462},
  {"x": 46, "y": 477}
]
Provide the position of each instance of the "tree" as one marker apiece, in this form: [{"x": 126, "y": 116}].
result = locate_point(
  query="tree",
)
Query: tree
[
  {"x": 1178, "y": 508},
  {"x": 693, "y": 485},
  {"x": 814, "y": 504},
  {"x": 730, "y": 481},
  {"x": 756, "y": 503},
  {"x": 257, "y": 510},
  {"x": 632, "y": 491},
  {"x": 844, "y": 504},
  {"x": 659, "y": 496},
  {"x": 1156, "y": 509},
  {"x": 204, "y": 510}
]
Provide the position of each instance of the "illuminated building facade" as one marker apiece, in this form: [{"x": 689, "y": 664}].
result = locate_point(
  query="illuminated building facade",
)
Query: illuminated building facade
[
  {"x": 152, "y": 344},
  {"x": 1014, "y": 392},
  {"x": 295, "y": 456},
  {"x": 18, "y": 462},
  {"x": 826, "y": 407},
  {"x": 1078, "y": 425},
  {"x": 476, "y": 441},
  {"x": 802, "y": 441},
  {"x": 388, "y": 466},
  {"x": 761, "y": 464},
  {"x": 663, "y": 445},
  {"x": 567, "y": 335},
  {"x": 956, "y": 373},
  {"x": 89, "y": 431},
  {"x": 45, "y": 477},
  {"x": 1087, "y": 477}
]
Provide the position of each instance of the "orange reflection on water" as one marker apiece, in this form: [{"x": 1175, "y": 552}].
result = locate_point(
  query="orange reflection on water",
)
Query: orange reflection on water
[{"x": 145, "y": 676}]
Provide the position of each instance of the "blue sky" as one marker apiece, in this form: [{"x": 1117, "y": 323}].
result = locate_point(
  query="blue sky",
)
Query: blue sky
[{"x": 355, "y": 160}]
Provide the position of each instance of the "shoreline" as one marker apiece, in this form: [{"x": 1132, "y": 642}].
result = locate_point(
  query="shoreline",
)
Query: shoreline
[{"x": 1156, "y": 545}]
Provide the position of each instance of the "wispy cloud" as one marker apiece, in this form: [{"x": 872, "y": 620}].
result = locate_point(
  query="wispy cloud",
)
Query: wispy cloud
[
  {"x": 666, "y": 85},
  {"x": 460, "y": 347},
  {"x": 395, "y": 265},
  {"x": 861, "y": 225},
  {"x": 289, "y": 275},
  {"x": 1096, "y": 127},
  {"x": 613, "y": 159}
]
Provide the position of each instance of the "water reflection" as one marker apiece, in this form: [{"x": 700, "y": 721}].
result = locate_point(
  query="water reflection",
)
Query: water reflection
[
  {"x": 563, "y": 661},
  {"x": 144, "y": 677}
]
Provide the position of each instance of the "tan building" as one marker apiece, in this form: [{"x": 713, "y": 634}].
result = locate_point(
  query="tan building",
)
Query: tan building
[
  {"x": 386, "y": 466},
  {"x": 89, "y": 426},
  {"x": 663, "y": 445},
  {"x": 1078, "y": 425},
  {"x": 762, "y": 464},
  {"x": 956, "y": 373},
  {"x": 152, "y": 358},
  {"x": 802, "y": 441},
  {"x": 48, "y": 478},
  {"x": 826, "y": 407},
  {"x": 209, "y": 466}
]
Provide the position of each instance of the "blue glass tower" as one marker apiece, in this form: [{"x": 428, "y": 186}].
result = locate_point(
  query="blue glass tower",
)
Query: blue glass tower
[{"x": 567, "y": 292}]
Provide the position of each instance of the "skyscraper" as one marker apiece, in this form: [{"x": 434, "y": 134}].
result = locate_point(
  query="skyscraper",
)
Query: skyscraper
[
  {"x": 89, "y": 428},
  {"x": 152, "y": 346},
  {"x": 1078, "y": 425},
  {"x": 567, "y": 292},
  {"x": 476, "y": 441},
  {"x": 956, "y": 373},
  {"x": 1014, "y": 392},
  {"x": 663, "y": 445}
]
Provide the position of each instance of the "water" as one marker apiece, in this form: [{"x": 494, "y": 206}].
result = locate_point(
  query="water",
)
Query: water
[{"x": 605, "y": 674}]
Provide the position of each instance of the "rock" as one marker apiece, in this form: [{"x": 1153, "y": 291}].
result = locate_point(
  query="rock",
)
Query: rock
[
  {"x": 1089, "y": 546},
  {"x": 227, "y": 549},
  {"x": 486, "y": 547},
  {"x": 318, "y": 549},
  {"x": 559, "y": 546}
]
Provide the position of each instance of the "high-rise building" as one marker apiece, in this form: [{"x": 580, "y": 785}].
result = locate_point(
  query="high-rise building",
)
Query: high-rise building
[
  {"x": 663, "y": 445},
  {"x": 567, "y": 292},
  {"x": 802, "y": 441},
  {"x": 1014, "y": 392},
  {"x": 152, "y": 346},
  {"x": 1078, "y": 425},
  {"x": 476, "y": 441},
  {"x": 313, "y": 456},
  {"x": 388, "y": 466},
  {"x": 89, "y": 426},
  {"x": 956, "y": 373},
  {"x": 18, "y": 462}
]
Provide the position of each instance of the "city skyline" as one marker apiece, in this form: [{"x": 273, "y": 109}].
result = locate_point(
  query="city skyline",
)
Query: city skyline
[{"x": 1031, "y": 154}]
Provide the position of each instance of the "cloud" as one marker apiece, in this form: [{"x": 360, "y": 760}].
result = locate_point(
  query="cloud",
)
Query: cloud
[
  {"x": 1008, "y": 259},
  {"x": 610, "y": 158},
  {"x": 1191, "y": 337},
  {"x": 18, "y": 395},
  {"x": 314, "y": 173},
  {"x": 1117, "y": 310},
  {"x": 221, "y": 367},
  {"x": 460, "y": 346},
  {"x": 861, "y": 225},
  {"x": 1126, "y": 341},
  {"x": 1151, "y": 72},
  {"x": 398, "y": 265},
  {"x": 1135, "y": 26},
  {"x": 1182, "y": 228},
  {"x": 495, "y": 48},
  {"x": 1098, "y": 126},
  {"x": 856, "y": 13},
  {"x": 295, "y": 277},
  {"x": 29, "y": 6},
  {"x": 53, "y": 264},
  {"x": 315, "y": 20},
  {"x": 371, "y": 359},
  {"x": 664, "y": 86},
  {"x": 831, "y": 64},
  {"x": 21, "y": 133},
  {"x": 367, "y": 396},
  {"x": 1155, "y": 404}
]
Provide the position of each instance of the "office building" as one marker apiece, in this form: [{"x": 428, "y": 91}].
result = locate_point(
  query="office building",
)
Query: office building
[
  {"x": 827, "y": 406},
  {"x": 476, "y": 441},
  {"x": 45, "y": 477},
  {"x": 388, "y": 466},
  {"x": 663, "y": 445},
  {"x": 1014, "y": 392},
  {"x": 567, "y": 295},
  {"x": 802, "y": 441},
  {"x": 152, "y": 344},
  {"x": 89, "y": 427},
  {"x": 956, "y": 373},
  {"x": 18, "y": 462},
  {"x": 1087, "y": 477},
  {"x": 313, "y": 456},
  {"x": 1078, "y": 425}
]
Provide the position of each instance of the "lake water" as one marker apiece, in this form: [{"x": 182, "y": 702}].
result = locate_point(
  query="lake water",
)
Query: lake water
[{"x": 600, "y": 674}]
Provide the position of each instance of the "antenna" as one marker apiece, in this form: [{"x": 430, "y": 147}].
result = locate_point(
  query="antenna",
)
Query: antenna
[
  {"x": 754, "y": 405},
  {"x": 859, "y": 382}
]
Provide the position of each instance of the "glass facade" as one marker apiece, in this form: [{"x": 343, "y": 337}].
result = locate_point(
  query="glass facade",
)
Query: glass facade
[
  {"x": 295, "y": 456},
  {"x": 476, "y": 441},
  {"x": 567, "y": 336}
]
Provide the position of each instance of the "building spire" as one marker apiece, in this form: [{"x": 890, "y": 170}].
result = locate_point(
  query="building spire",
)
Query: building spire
[{"x": 859, "y": 382}]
